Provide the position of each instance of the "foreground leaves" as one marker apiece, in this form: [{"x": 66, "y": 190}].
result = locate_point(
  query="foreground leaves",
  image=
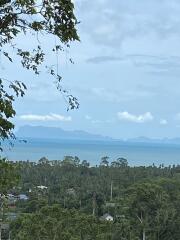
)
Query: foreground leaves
[{"x": 31, "y": 18}]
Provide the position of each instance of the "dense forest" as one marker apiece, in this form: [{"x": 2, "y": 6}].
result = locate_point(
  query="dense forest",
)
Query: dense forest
[{"x": 70, "y": 200}]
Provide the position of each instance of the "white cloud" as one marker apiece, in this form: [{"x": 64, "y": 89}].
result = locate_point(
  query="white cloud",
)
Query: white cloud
[
  {"x": 50, "y": 117},
  {"x": 146, "y": 117},
  {"x": 87, "y": 117},
  {"x": 163, "y": 122}
]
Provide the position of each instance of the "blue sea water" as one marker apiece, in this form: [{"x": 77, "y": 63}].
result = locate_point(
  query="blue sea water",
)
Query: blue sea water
[{"x": 92, "y": 151}]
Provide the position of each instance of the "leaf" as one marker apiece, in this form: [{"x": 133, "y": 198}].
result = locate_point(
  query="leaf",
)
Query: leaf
[{"x": 7, "y": 55}]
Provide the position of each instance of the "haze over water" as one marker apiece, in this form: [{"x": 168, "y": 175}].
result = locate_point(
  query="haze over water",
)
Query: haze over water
[{"x": 136, "y": 153}]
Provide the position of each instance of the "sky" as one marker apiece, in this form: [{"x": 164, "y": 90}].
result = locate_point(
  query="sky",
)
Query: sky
[{"x": 126, "y": 72}]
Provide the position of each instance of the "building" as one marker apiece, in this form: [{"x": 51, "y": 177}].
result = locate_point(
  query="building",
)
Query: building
[
  {"x": 41, "y": 187},
  {"x": 23, "y": 197},
  {"x": 107, "y": 217}
]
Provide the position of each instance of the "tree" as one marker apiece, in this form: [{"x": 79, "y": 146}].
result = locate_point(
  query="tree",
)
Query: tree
[
  {"x": 76, "y": 161},
  {"x": 120, "y": 162},
  {"x": 55, "y": 223},
  {"x": 68, "y": 160},
  {"x": 33, "y": 18},
  {"x": 123, "y": 162},
  {"x": 150, "y": 207},
  {"x": 85, "y": 163},
  {"x": 9, "y": 176},
  {"x": 104, "y": 161},
  {"x": 43, "y": 160}
]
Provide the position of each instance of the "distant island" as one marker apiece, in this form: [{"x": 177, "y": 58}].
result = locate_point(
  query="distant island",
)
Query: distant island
[
  {"x": 42, "y": 132},
  {"x": 57, "y": 133}
]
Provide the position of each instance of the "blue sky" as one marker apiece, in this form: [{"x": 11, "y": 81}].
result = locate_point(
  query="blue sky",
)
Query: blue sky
[{"x": 126, "y": 73}]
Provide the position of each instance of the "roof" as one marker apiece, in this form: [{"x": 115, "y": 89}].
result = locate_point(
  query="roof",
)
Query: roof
[
  {"x": 23, "y": 197},
  {"x": 106, "y": 216},
  {"x": 42, "y": 187}
]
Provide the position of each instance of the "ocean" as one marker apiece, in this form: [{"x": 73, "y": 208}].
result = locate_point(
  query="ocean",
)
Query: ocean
[{"x": 137, "y": 154}]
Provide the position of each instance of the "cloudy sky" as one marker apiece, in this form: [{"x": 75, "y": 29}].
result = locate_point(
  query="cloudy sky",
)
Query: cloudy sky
[{"x": 126, "y": 73}]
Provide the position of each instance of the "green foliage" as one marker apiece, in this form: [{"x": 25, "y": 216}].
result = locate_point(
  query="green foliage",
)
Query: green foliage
[
  {"x": 57, "y": 223},
  {"x": 104, "y": 161},
  {"x": 54, "y": 17},
  {"x": 9, "y": 176},
  {"x": 145, "y": 201},
  {"x": 32, "y": 17},
  {"x": 151, "y": 209},
  {"x": 6, "y": 107}
]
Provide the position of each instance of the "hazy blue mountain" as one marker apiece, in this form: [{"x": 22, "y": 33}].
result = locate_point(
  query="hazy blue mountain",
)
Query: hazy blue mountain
[
  {"x": 56, "y": 133},
  {"x": 154, "y": 140},
  {"x": 42, "y": 132}
]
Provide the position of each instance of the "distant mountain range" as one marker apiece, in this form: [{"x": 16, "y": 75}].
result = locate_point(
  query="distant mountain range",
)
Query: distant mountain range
[
  {"x": 41, "y": 132},
  {"x": 56, "y": 133},
  {"x": 155, "y": 140}
]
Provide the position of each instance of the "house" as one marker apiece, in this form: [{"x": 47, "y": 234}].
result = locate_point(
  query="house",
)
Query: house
[
  {"x": 23, "y": 197},
  {"x": 41, "y": 187},
  {"x": 107, "y": 217}
]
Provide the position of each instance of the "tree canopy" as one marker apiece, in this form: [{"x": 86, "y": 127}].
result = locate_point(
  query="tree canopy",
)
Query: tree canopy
[
  {"x": 143, "y": 201},
  {"x": 9, "y": 176}
]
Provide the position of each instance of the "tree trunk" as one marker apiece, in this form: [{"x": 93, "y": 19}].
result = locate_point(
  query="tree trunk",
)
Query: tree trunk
[
  {"x": 144, "y": 234},
  {"x": 94, "y": 207},
  {"x": 111, "y": 191},
  {"x": 0, "y": 232}
]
